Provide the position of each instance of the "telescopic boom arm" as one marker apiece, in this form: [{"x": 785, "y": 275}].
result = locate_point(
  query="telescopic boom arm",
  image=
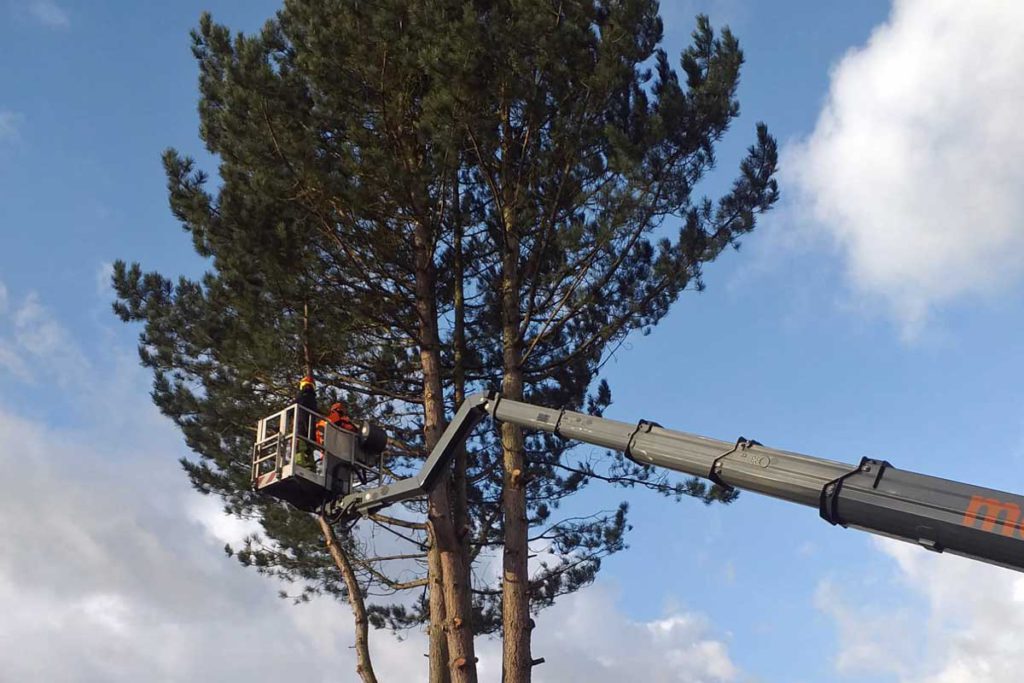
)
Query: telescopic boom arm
[{"x": 938, "y": 514}]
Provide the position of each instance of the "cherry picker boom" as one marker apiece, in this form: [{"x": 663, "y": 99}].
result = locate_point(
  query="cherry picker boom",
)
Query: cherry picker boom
[{"x": 937, "y": 514}]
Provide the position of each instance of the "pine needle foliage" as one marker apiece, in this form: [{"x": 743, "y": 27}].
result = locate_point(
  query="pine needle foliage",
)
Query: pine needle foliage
[{"x": 550, "y": 152}]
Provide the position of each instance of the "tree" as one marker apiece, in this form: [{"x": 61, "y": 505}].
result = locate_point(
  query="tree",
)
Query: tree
[
  {"x": 226, "y": 351},
  {"x": 422, "y": 195},
  {"x": 338, "y": 171},
  {"x": 578, "y": 153}
]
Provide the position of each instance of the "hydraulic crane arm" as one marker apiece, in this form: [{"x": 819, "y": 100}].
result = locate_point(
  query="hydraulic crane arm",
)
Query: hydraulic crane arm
[
  {"x": 938, "y": 514},
  {"x": 472, "y": 410}
]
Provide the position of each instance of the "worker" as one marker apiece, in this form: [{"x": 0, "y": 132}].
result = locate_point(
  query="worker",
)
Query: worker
[
  {"x": 306, "y": 401},
  {"x": 337, "y": 416}
]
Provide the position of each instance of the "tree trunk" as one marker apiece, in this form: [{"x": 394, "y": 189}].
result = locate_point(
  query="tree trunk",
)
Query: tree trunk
[
  {"x": 460, "y": 504},
  {"x": 454, "y": 573},
  {"x": 307, "y": 353},
  {"x": 516, "y": 624},
  {"x": 455, "y": 582},
  {"x": 438, "y": 648},
  {"x": 364, "y": 665}
]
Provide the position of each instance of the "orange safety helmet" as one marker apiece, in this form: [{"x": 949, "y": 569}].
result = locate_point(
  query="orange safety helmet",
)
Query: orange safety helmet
[
  {"x": 339, "y": 407},
  {"x": 308, "y": 379}
]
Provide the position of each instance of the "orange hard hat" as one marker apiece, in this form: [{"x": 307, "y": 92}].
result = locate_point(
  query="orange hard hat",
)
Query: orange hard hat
[
  {"x": 338, "y": 407},
  {"x": 308, "y": 379}
]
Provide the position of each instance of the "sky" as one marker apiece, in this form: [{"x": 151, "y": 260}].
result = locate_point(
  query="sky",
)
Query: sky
[{"x": 878, "y": 311}]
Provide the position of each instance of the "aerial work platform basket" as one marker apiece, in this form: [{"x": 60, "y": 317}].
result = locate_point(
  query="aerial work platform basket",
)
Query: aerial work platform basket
[{"x": 304, "y": 459}]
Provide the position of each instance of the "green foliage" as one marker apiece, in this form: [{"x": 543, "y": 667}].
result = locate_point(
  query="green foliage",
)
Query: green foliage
[
  {"x": 579, "y": 150},
  {"x": 557, "y": 133}
]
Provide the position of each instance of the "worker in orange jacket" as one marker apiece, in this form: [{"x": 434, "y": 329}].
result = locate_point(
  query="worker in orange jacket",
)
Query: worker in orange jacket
[{"x": 338, "y": 416}]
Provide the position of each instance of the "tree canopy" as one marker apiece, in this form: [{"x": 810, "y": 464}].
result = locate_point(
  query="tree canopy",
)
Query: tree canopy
[{"x": 418, "y": 199}]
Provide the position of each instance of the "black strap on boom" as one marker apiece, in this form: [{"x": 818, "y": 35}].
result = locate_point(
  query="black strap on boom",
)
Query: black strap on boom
[
  {"x": 828, "y": 505},
  {"x": 643, "y": 426}
]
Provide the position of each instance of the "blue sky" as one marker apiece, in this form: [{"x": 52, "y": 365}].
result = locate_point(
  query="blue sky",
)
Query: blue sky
[{"x": 878, "y": 311}]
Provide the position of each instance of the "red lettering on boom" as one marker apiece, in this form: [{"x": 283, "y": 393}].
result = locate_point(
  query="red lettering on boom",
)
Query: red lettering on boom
[{"x": 991, "y": 512}]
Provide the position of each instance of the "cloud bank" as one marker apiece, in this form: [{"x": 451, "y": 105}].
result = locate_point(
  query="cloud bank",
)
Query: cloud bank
[
  {"x": 914, "y": 167},
  {"x": 959, "y": 622}
]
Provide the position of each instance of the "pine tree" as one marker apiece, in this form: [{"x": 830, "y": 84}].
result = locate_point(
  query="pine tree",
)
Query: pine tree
[
  {"x": 583, "y": 144},
  {"x": 339, "y": 170},
  {"x": 418, "y": 199}
]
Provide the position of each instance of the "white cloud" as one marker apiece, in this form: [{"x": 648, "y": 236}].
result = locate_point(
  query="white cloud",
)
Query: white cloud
[
  {"x": 113, "y": 570},
  {"x": 223, "y": 528},
  {"x": 9, "y": 122},
  {"x": 959, "y": 622},
  {"x": 586, "y": 638},
  {"x": 50, "y": 14},
  {"x": 38, "y": 332},
  {"x": 35, "y": 347},
  {"x": 914, "y": 165},
  {"x": 865, "y": 650},
  {"x": 13, "y": 363},
  {"x": 104, "y": 274}
]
